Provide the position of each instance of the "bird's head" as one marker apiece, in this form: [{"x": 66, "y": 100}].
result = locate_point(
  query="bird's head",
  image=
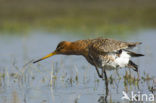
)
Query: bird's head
[{"x": 63, "y": 47}]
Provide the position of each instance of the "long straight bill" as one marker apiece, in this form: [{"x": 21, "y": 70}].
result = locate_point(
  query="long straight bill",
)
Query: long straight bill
[{"x": 47, "y": 56}]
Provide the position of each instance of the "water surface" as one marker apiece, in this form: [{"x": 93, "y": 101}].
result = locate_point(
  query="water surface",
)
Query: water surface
[{"x": 68, "y": 79}]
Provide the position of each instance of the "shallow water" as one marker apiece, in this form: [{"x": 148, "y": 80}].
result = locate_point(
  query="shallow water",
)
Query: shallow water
[{"x": 68, "y": 79}]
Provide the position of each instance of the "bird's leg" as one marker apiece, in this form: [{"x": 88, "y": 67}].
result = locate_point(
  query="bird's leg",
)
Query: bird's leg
[
  {"x": 106, "y": 81},
  {"x": 97, "y": 70},
  {"x": 102, "y": 73}
]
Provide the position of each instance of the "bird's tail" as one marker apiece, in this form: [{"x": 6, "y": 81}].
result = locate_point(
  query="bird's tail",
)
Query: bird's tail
[
  {"x": 133, "y": 54},
  {"x": 133, "y": 44},
  {"x": 132, "y": 65}
]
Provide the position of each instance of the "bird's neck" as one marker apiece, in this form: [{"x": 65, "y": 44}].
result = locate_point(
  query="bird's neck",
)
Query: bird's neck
[{"x": 79, "y": 48}]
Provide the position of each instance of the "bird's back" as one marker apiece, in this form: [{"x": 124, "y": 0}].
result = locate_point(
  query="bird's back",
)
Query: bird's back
[{"x": 109, "y": 53}]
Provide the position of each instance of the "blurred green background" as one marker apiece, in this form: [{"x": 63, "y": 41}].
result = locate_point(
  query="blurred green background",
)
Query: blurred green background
[{"x": 77, "y": 16}]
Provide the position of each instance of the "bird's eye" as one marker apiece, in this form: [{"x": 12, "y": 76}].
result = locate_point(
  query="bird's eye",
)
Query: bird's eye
[{"x": 59, "y": 48}]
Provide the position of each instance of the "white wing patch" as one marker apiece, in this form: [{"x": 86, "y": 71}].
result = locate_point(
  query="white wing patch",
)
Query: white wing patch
[
  {"x": 123, "y": 59},
  {"x": 117, "y": 61}
]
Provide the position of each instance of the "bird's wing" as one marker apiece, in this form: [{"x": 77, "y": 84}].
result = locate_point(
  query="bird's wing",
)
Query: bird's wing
[{"x": 110, "y": 45}]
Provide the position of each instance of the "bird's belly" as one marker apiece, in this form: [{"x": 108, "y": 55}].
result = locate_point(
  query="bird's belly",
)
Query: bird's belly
[
  {"x": 112, "y": 61},
  {"x": 107, "y": 64}
]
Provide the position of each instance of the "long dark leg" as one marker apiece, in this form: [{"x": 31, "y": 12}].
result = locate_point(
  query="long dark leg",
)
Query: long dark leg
[
  {"x": 105, "y": 74},
  {"x": 102, "y": 73},
  {"x": 97, "y": 70},
  {"x": 106, "y": 83}
]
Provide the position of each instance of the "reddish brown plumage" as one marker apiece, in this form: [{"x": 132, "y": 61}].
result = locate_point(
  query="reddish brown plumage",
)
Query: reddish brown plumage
[
  {"x": 94, "y": 50},
  {"x": 98, "y": 45}
]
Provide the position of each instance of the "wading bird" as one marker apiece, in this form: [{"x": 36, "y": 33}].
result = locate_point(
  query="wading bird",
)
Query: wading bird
[{"x": 107, "y": 54}]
